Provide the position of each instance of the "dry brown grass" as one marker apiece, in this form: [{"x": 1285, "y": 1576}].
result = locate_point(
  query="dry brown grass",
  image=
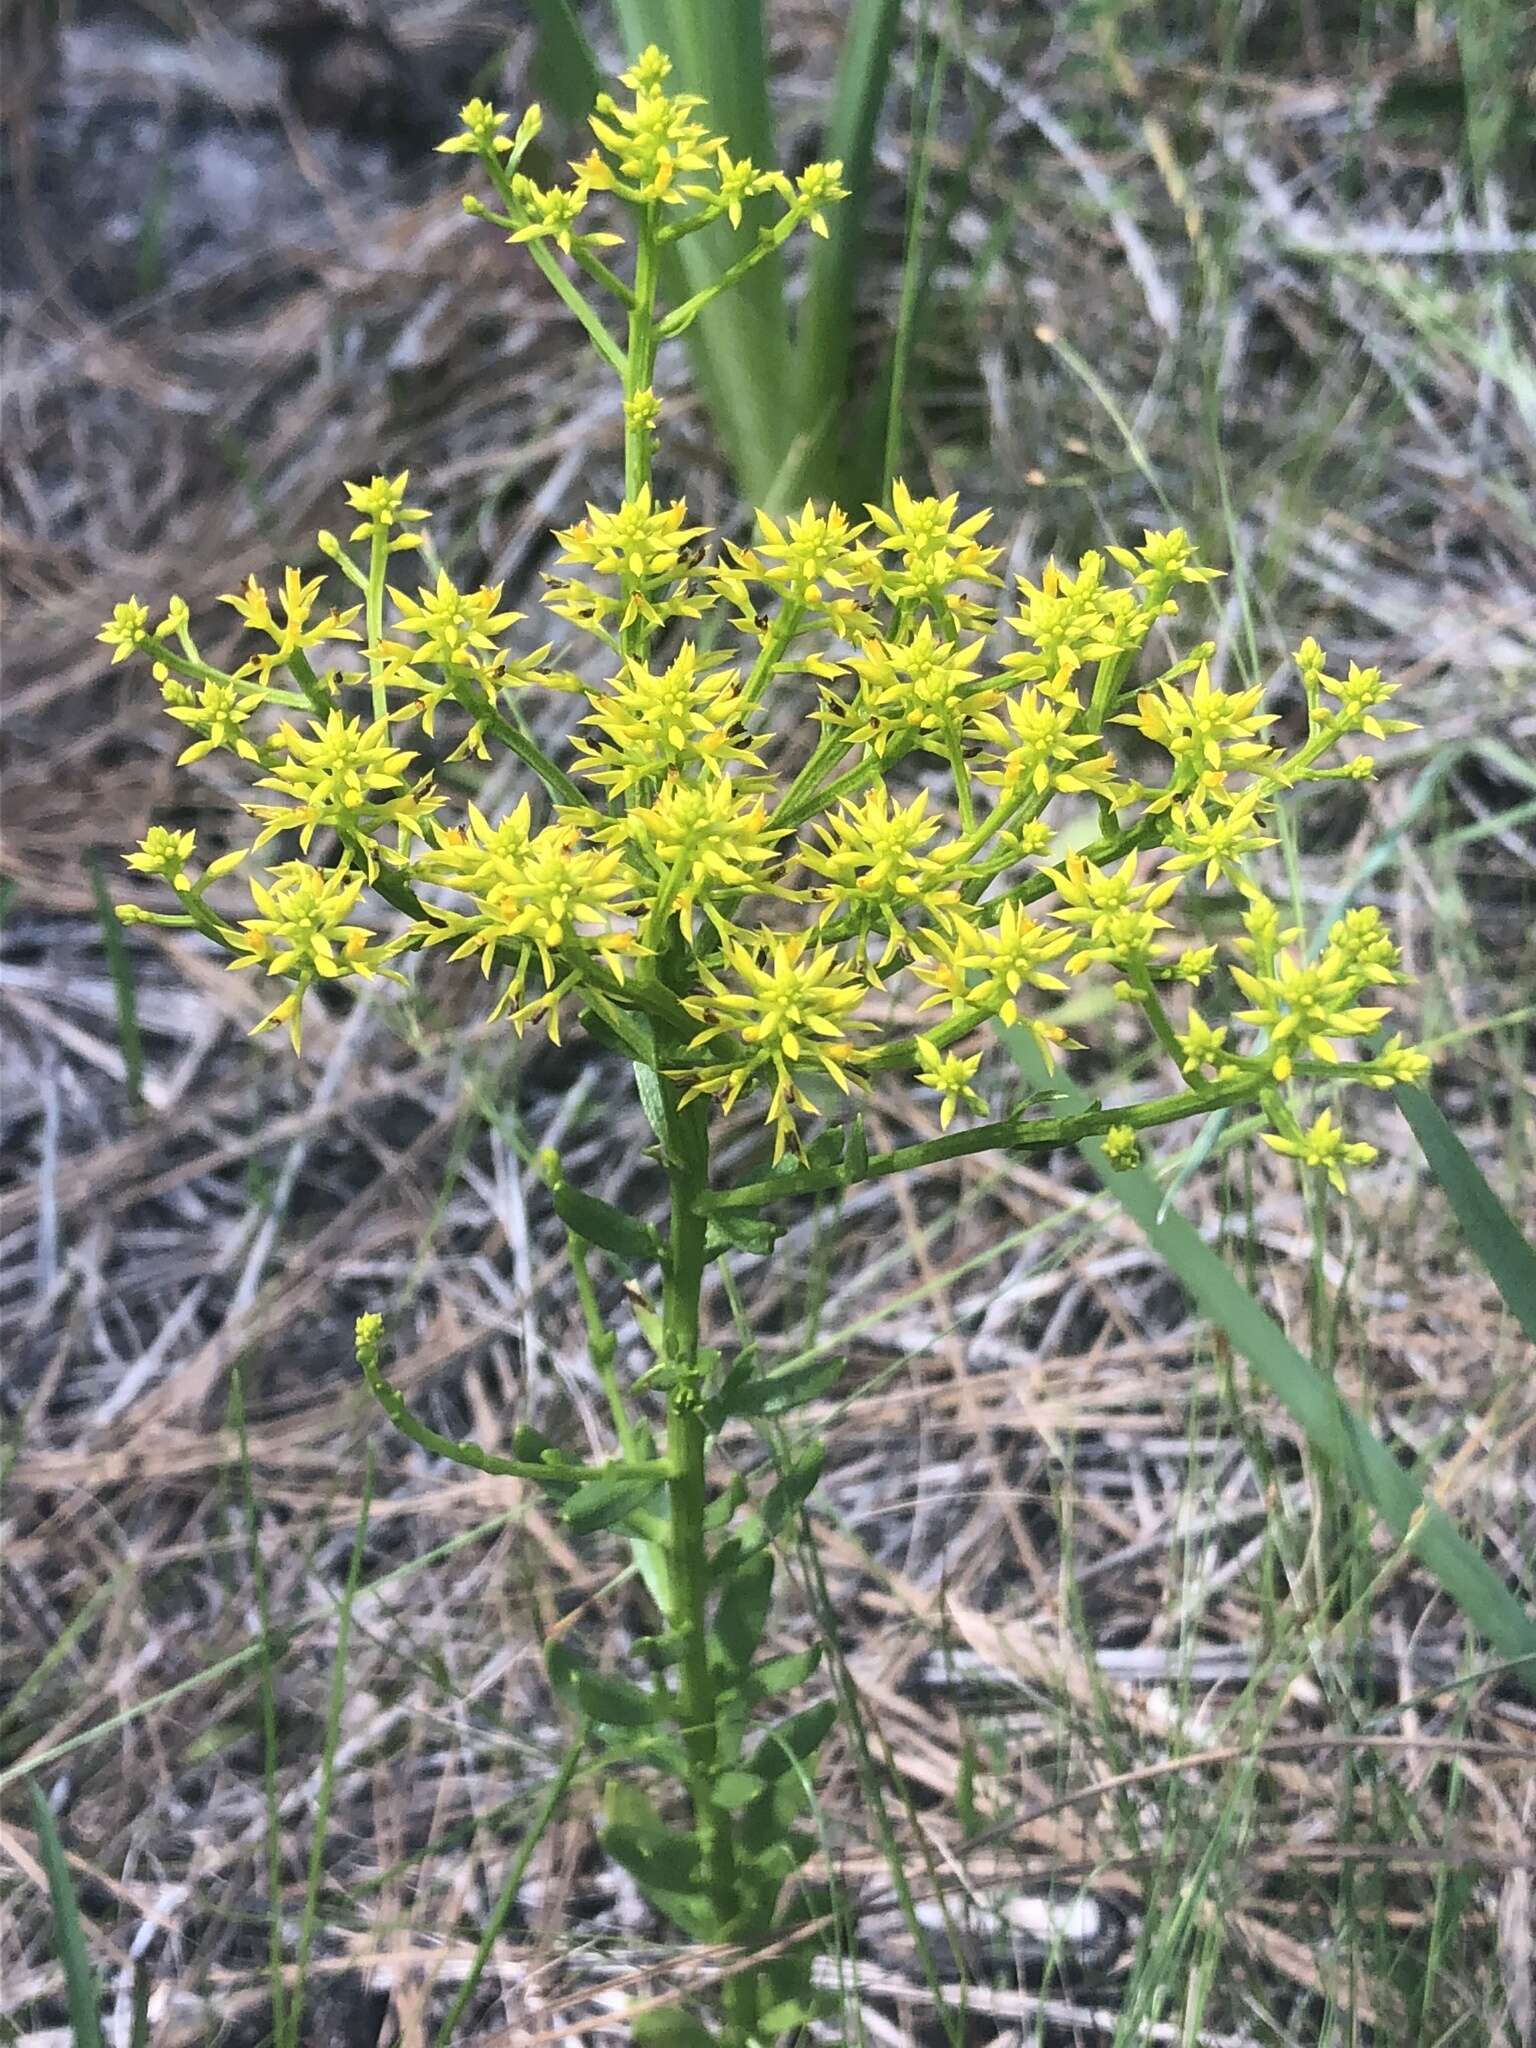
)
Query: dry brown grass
[{"x": 1048, "y": 1489}]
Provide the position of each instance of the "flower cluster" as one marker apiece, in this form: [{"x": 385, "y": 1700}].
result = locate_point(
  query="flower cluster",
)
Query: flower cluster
[{"x": 829, "y": 810}]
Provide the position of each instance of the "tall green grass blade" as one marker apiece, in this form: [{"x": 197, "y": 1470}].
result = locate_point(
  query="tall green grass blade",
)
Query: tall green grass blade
[
  {"x": 507, "y": 1899},
  {"x": 68, "y": 1930},
  {"x": 567, "y": 71},
  {"x": 1331, "y": 1427},
  {"x": 13, "y": 1708},
  {"x": 911, "y": 268},
  {"x": 121, "y": 971},
  {"x": 143, "y": 1984},
  {"x": 1490, "y": 1229},
  {"x": 322, "y": 1813},
  {"x": 824, "y": 338},
  {"x": 267, "y": 1691}
]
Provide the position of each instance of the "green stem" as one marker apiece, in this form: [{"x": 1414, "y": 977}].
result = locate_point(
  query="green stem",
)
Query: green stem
[
  {"x": 640, "y": 357},
  {"x": 373, "y": 617},
  {"x": 1012, "y": 1134},
  {"x": 687, "y": 1495}
]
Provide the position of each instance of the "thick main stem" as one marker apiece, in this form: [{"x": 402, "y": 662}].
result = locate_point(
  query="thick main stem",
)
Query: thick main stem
[{"x": 687, "y": 1445}]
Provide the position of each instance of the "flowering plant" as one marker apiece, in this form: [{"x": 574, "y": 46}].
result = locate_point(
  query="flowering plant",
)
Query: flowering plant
[{"x": 823, "y": 820}]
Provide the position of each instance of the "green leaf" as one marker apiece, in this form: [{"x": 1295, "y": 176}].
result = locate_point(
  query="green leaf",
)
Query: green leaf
[
  {"x": 611, "y": 1702},
  {"x": 600, "y": 1223},
  {"x": 743, "y": 1610},
  {"x": 669, "y": 2027},
  {"x": 567, "y": 70},
  {"x": 1330, "y": 1425},
  {"x": 734, "y": 1230},
  {"x": 649, "y": 1089},
  {"x": 68, "y": 1929},
  {"x": 604, "y": 1503},
  {"x": 782, "y": 1674},
  {"x": 736, "y": 1789},
  {"x": 656, "y": 1856},
  {"x": 856, "y": 1150},
  {"x": 1490, "y": 1229},
  {"x": 794, "y": 1740},
  {"x": 529, "y": 1445},
  {"x": 624, "y": 1033},
  {"x": 775, "y": 1393},
  {"x": 725, "y": 1502},
  {"x": 824, "y": 337},
  {"x": 794, "y": 1488}
]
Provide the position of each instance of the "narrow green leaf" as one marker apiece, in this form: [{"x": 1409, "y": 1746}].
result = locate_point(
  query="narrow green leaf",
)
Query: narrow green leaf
[
  {"x": 501, "y": 1912},
  {"x": 604, "y": 1503},
  {"x": 1331, "y": 1426},
  {"x": 824, "y": 338},
  {"x": 68, "y": 1929},
  {"x": 625, "y": 1033},
  {"x": 1490, "y": 1229},
  {"x": 794, "y": 1488},
  {"x": 743, "y": 1610},
  {"x": 319, "y": 1822},
  {"x": 143, "y": 1985},
  {"x": 657, "y": 1856},
  {"x": 782, "y": 1674},
  {"x": 611, "y": 1702},
  {"x": 120, "y": 968},
  {"x": 794, "y": 1740},
  {"x": 733, "y": 1231},
  {"x": 648, "y": 1087},
  {"x": 775, "y": 1393},
  {"x": 567, "y": 71},
  {"x": 736, "y": 1789},
  {"x": 600, "y": 1223}
]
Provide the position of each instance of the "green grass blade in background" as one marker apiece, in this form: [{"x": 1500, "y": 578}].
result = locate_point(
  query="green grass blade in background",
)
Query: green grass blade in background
[
  {"x": 567, "y": 71},
  {"x": 1490, "y": 1229},
  {"x": 824, "y": 337},
  {"x": 320, "y": 1819},
  {"x": 1331, "y": 1426},
  {"x": 124, "y": 999},
  {"x": 68, "y": 1932}
]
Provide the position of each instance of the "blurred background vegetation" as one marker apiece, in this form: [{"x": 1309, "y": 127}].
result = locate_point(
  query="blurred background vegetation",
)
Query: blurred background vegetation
[{"x": 1126, "y": 1657}]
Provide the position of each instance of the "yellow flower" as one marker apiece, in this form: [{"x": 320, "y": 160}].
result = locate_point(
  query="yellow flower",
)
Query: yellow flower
[
  {"x": 875, "y": 861},
  {"x": 382, "y": 503},
  {"x": 304, "y": 932},
  {"x": 787, "y": 1008},
  {"x": 343, "y": 774},
  {"x": 952, "y": 1076},
  {"x": 164, "y": 853},
  {"x": 701, "y": 840},
  {"x": 920, "y": 689},
  {"x": 986, "y": 968},
  {"x": 1208, "y": 732},
  {"x": 1121, "y": 1151},
  {"x": 686, "y": 718},
  {"x": 218, "y": 713},
  {"x": 1305, "y": 1008},
  {"x": 1050, "y": 743},
  {"x": 651, "y": 141},
  {"x": 127, "y": 631},
  {"x": 532, "y": 891},
  {"x": 1323, "y": 1147}
]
